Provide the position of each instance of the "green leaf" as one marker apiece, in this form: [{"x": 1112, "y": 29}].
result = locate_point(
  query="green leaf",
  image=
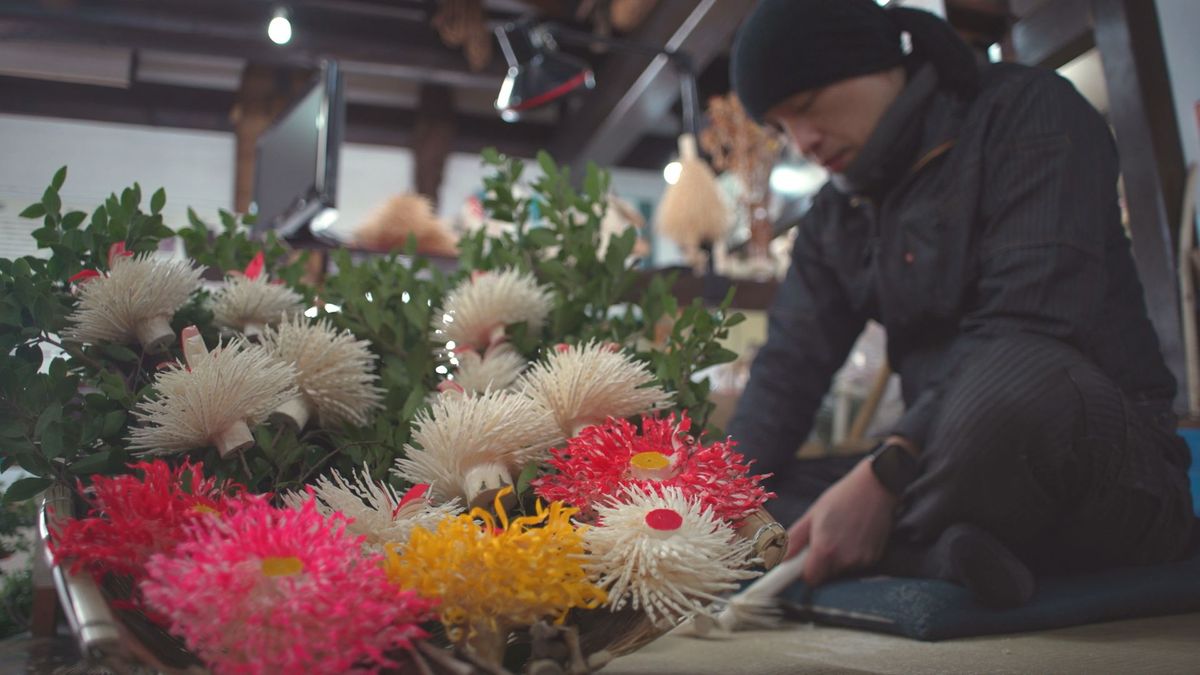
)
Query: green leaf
[
  {"x": 73, "y": 219},
  {"x": 52, "y": 442},
  {"x": 416, "y": 398},
  {"x": 93, "y": 463},
  {"x": 51, "y": 201},
  {"x": 158, "y": 201},
  {"x": 26, "y": 488},
  {"x": 60, "y": 177},
  {"x": 113, "y": 422},
  {"x": 34, "y": 211},
  {"x": 51, "y": 415},
  {"x": 527, "y": 475},
  {"x": 119, "y": 353}
]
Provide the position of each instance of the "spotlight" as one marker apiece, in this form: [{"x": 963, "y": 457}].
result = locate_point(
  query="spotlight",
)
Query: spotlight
[
  {"x": 671, "y": 172},
  {"x": 280, "y": 27}
]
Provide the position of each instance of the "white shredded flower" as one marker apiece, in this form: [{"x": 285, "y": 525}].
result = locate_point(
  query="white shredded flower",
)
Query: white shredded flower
[
  {"x": 664, "y": 555},
  {"x": 585, "y": 385},
  {"x": 134, "y": 303},
  {"x": 234, "y": 384},
  {"x": 478, "y": 310},
  {"x": 374, "y": 508},
  {"x": 335, "y": 372},
  {"x": 248, "y": 305},
  {"x": 496, "y": 431},
  {"x": 497, "y": 368}
]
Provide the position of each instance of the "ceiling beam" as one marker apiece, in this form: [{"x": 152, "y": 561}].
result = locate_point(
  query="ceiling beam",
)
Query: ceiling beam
[
  {"x": 1053, "y": 33},
  {"x": 633, "y": 91},
  {"x": 159, "y": 105},
  {"x": 409, "y": 49}
]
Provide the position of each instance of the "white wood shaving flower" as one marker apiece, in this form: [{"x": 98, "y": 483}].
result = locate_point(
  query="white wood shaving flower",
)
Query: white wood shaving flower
[
  {"x": 496, "y": 368},
  {"x": 664, "y": 555},
  {"x": 247, "y": 304},
  {"x": 335, "y": 372},
  {"x": 212, "y": 399},
  {"x": 585, "y": 385},
  {"x": 134, "y": 302},
  {"x": 376, "y": 511},
  {"x": 476, "y": 313},
  {"x": 470, "y": 445}
]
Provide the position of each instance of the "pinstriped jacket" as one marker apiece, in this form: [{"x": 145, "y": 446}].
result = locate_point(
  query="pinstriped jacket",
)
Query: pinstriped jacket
[{"x": 1006, "y": 220}]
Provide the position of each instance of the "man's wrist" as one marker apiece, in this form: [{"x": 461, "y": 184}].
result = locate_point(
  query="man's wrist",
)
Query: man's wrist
[{"x": 894, "y": 464}]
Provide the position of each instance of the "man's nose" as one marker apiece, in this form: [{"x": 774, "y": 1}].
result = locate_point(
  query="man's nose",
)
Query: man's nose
[{"x": 805, "y": 137}]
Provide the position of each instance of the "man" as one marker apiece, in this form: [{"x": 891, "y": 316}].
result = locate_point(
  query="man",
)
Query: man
[{"x": 973, "y": 212}]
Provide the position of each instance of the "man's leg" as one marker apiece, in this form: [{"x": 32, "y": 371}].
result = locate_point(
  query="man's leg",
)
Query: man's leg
[{"x": 1036, "y": 446}]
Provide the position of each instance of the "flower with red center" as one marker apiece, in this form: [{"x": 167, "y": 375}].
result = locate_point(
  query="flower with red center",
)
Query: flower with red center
[
  {"x": 605, "y": 458},
  {"x": 268, "y": 590},
  {"x": 663, "y": 554},
  {"x": 133, "y": 517}
]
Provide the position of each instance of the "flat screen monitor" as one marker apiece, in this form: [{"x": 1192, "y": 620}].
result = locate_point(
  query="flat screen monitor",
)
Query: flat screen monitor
[{"x": 296, "y": 163}]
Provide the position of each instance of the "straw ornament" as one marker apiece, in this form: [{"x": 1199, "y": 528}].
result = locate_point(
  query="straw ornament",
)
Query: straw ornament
[
  {"x": 479, "y": 309},
  {"x": 497, "y": 368},
  {"x": 335, "y": 373},
  {"x": 249, "y": 302},
  {"x": 664, "y": 554},
  {"x": 584, "y": 385},
  {"x": 470, "y": 445},
  {"x": 376, "y": 512},
  {"x": 212, "y": 399},
  {"x": 134, "y": 303},
  {"x": 691, "y": 211}
]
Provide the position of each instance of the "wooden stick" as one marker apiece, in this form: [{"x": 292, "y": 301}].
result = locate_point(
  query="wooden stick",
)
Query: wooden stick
[
  {"x": 871, "y": 405},
  {"x": 1187, "y": 293}
]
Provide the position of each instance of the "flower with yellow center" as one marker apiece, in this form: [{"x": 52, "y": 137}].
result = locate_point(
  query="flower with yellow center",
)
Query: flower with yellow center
[{"x": 491, "y": 575}]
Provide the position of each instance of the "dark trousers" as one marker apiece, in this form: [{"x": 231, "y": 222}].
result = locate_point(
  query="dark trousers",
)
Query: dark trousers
[{"x": 1037, "y": 446}]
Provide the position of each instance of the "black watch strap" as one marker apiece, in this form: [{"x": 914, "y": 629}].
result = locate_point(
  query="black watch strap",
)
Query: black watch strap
[{"x": 894, "y": 466}]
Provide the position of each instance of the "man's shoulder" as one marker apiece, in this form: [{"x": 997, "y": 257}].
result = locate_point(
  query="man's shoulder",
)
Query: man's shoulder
[{"x": 1006, "y": 82}]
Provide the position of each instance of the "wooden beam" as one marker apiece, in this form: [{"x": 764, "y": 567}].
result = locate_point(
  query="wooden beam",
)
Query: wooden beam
[
  {"x": 634, "y": 91},
  {"x": 159, "y": 105},
  {"x": 435, "y": 132},
  {"x": 410, "y": 49},
  {"x": 1142, "y": 113},
  {"x": 1054, "y": 33}
]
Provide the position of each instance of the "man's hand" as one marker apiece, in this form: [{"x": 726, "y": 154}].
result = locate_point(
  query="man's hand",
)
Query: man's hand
[{"x": 846, "y": 528}]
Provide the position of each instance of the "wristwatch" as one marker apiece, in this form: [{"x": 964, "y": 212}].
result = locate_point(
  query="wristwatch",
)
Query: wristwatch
[{"x": 894, "y": 466}]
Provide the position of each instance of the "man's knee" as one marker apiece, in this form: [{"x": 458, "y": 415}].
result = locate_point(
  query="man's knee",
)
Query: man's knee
[{"x": 1014, "y": 390}]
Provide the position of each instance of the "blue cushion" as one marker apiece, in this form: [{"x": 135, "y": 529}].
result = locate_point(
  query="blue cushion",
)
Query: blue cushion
[
  {"x": 936, "y": 610},
  {"x": 1192, "y": 436}
]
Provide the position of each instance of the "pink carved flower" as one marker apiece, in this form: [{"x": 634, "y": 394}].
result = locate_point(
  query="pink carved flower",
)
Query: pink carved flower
[
  {"x": 605, "y": 458},
  {"x": 267, "y": 590}
]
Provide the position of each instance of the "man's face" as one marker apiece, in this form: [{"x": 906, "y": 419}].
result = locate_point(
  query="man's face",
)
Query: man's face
[{"x": 830, "y": 125}]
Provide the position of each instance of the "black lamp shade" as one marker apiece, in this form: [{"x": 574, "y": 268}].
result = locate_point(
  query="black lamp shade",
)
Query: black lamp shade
[{"x": 537, "y": 72}]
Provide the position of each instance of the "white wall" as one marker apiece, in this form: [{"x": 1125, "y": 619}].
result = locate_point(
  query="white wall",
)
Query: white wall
[
  {"x": 196, "y": 168},
  {"x": 193, "y": 166},
  {"x": 1180, "y": 22}
]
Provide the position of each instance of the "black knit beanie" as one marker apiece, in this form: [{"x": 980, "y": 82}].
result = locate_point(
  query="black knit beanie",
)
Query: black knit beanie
[{"x": 789, "y": 46}]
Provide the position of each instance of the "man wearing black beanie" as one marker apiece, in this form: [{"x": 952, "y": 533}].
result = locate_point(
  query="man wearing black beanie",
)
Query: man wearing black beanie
[{"x": 972, "y": 210}]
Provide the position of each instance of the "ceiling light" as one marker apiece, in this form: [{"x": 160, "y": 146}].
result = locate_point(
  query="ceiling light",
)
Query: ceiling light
[
  {"x": 671, "y": 172},
  {"x": 280, "y": 27}
]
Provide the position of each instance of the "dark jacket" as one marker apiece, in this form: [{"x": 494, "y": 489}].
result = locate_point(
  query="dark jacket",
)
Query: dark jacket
[{"x": 1005, "y": 221}]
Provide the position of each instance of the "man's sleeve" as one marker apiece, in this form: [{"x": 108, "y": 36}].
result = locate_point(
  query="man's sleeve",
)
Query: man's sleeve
[
  {"x": 1049, "y": 193},
  {"x": 810, "y": 331}
]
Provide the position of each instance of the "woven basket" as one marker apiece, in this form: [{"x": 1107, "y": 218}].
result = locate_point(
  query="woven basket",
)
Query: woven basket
[{"x": 125, "y": 641}]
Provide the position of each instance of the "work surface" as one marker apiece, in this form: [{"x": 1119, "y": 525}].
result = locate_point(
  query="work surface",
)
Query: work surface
[{"x": 1157, "y": 645}]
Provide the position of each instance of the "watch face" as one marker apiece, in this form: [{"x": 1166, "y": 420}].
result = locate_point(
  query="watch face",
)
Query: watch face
[{"x": 894, "y": 468}]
